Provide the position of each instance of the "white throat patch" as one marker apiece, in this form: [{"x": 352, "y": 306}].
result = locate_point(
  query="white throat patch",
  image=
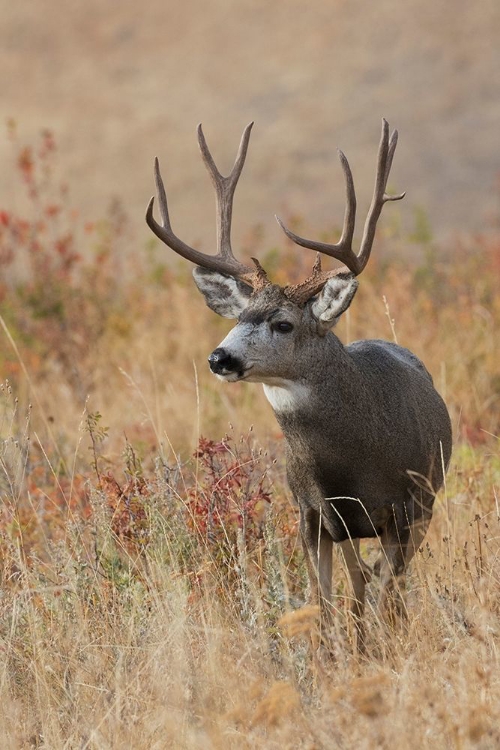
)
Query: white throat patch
[{"x": 286, "y": 395}]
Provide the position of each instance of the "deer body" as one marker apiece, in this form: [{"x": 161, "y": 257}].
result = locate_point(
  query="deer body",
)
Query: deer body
[
  {"x": 368, "y": 437},
  {"x": 355, "y": 456}
]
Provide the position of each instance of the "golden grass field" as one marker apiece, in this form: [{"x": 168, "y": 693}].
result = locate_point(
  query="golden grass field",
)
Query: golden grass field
[{"x": 152, "y": 589}]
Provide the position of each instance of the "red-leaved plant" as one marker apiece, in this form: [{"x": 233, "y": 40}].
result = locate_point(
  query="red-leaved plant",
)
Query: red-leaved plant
[{"x": 227, "y": 504}]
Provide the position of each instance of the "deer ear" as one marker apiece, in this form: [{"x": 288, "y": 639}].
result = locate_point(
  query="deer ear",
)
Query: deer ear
[
  {"x": 223, "y": 294},
  {"x": 333, "y": 300}
]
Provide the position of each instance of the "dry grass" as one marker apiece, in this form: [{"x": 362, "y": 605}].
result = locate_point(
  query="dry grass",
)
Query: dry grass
[{"x": 151, "y": 598}]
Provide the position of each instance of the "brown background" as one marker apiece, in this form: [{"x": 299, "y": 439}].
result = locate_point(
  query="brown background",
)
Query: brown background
[{"x": 120, "y": 82}]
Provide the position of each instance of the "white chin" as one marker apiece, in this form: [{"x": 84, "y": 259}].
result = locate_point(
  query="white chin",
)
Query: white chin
[
  {"x": 235, "y": 377},
  {"x": 231, "y": 377}
]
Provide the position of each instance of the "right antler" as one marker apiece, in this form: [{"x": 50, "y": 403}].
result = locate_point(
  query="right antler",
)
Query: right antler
[
  {"x": 224, "y": 261},
  {"x": 343, "y": 251}
]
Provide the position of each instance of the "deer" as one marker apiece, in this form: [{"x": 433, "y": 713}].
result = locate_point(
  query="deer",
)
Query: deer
[{"x": 367, "y": 436}]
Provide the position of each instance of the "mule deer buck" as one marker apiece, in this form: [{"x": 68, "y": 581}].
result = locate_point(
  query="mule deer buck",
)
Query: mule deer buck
[{"x": 368, "y": 438}]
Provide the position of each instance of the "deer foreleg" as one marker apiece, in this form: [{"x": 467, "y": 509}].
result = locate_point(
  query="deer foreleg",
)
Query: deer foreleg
[{"x": 317, "y": 545}]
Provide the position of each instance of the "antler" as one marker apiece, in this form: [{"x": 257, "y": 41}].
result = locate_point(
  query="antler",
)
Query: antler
[
  {"x": 224, "y": 261},
  {"x": 343, "y": 251}
]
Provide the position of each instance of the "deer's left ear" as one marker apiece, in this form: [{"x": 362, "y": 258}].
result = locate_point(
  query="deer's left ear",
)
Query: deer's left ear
[
  {"x": 333, "y": 300},
  {"x": 223, "y": 294}
]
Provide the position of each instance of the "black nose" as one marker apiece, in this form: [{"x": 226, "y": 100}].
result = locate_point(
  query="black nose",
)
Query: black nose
[{"x": 221, "y": 361}]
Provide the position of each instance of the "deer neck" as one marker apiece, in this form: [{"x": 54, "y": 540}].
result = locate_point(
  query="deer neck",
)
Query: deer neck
[{"x": 321, "y": 376}]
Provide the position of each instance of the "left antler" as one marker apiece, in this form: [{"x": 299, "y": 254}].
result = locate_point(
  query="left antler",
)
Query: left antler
[{"x": 224, "y": 261}]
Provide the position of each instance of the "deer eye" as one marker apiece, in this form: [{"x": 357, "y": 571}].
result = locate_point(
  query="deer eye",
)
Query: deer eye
[{"x": 283, "y": 326}]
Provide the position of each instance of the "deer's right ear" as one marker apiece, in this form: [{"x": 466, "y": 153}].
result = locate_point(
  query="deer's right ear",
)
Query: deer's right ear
[{"x": 223, "y": 294}]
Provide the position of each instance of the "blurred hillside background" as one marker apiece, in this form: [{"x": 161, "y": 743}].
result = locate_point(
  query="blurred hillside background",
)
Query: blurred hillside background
[{"x": 119, "y": 83}]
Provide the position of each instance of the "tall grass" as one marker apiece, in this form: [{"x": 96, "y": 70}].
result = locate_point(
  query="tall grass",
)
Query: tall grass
[{"x": 152, "y": 588}]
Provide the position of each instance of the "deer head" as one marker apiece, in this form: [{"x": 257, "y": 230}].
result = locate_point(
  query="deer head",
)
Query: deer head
[{"x": 275, "y": 323}]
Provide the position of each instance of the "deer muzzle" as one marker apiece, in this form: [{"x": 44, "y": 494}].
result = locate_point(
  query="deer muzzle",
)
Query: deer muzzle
[{"x": 223, "y": 363}]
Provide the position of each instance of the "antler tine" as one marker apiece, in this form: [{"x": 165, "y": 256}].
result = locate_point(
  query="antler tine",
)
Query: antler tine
[
  {"x": 393, "y": 142},
  {"x": 386, "y": 151},
  {"x": 164, "y": 231},
  {"x": 224, "y": 188},
  {"x": 224, "y": 261},
  {"x": 350, "y": 208}
]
